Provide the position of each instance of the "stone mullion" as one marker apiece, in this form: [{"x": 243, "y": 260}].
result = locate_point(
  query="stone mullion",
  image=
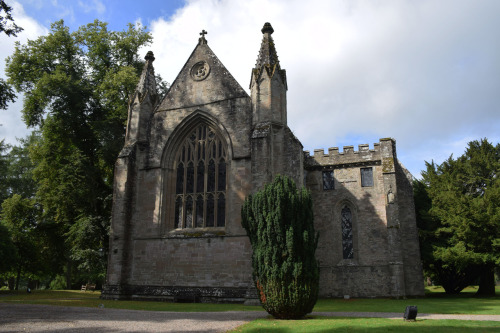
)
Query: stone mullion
[
  {"x": 184, "y": 181},
  {"x": 205, "y": 179},
  {"x": 216, "y": 185}
]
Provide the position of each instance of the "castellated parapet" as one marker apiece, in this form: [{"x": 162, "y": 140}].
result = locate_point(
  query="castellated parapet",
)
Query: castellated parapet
[{"x": 364, "y": 155}]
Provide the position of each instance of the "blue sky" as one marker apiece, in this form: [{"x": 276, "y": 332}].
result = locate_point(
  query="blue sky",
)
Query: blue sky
[{"x": 426, "y": 72}]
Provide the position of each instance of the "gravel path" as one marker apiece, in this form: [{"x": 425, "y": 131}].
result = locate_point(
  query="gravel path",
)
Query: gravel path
[
  {"x": 59, "y": 319},
  {"x": 46, "y": 318}
]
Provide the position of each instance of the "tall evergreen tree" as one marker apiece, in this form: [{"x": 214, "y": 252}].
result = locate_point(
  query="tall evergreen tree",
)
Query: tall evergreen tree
[
  {"x": 279, "y": 222},
  {"x": 462, "y": 222}
]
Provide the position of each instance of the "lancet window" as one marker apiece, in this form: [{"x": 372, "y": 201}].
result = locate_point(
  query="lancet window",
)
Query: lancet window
[
  {"x": 347, "y": 237},
  {"x": 200, "y": 184}
]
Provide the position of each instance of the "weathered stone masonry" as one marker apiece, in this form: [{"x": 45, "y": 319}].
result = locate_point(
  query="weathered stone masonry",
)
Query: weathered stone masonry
[{"x": 190, "y": 160}]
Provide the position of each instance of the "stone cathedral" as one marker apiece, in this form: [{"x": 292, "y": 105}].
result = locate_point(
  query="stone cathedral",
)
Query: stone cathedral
[{"x": 189, "y": 161}]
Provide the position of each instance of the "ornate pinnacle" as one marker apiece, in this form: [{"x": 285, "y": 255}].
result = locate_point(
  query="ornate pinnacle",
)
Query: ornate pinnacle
[
  {"x": 267, "y": 28},
  {"x": 150, "y": 56}
]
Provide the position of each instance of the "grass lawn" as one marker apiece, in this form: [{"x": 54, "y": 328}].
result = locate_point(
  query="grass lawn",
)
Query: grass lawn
[
  {"x": 372, "y": 325},
  {"x": 435, "y": 301}
]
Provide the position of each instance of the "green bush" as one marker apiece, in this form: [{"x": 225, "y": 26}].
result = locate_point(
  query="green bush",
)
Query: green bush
[
  {"x": 59, "y": 283},
  {"x": 279, "y": 222}
]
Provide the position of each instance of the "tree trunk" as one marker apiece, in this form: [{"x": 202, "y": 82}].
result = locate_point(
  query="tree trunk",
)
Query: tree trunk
[
  {"x": 487, "y": 282},
  {"x": 68, "y": 274},
  {"x": 18, "y": 277},
  {"x": 11, "y": 282}
]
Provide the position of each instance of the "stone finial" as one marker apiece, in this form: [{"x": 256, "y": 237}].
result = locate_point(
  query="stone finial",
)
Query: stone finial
[
  {"x": 150, "y": 56},
  {"x": 202, "y": 39},
  {"x": 267, "y": 28}
]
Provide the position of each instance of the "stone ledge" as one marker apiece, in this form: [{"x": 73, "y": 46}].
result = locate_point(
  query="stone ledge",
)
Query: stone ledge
[{"x": 173, "y": 293}]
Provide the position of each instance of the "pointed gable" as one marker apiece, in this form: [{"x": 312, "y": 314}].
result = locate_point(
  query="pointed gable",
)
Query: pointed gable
[{"x": 202, "y": 80}]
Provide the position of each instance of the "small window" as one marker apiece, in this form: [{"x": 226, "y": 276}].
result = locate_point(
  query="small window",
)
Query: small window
[
  {"x": 366, "y": 177},
  {"x": 328, "y": 182}
]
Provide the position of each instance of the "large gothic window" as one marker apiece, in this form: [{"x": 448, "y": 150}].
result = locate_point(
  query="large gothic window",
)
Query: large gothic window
[
  {"x": 347, "y": 244},
  {"x": 200, "y": 182}
]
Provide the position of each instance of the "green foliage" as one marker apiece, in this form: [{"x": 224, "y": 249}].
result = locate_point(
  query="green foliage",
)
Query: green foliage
[
  {"x": 58, "y": 283},
  {"x": 8, "y": 251},
  {"x": 458, "y": 212},
  {"x": 19, "y": 216},
  {"x": 6, "y": 94},
  {"x": 279, "y": 222},
  {"x": 76, "y": 87},
  {"x": 7, "y": 24}
]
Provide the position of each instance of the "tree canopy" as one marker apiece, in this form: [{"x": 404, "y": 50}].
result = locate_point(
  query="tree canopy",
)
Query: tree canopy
[
  {"x": 8, "y": 27},
  {"x": 76, "y": 87},
  {"x": 7, "y": 24},
  {"x": 458, "y": 211}
]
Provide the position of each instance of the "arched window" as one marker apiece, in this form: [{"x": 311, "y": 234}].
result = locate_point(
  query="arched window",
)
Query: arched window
[
  {"x": 200, "y": 184},
  {"x": 347, "y": 238}
]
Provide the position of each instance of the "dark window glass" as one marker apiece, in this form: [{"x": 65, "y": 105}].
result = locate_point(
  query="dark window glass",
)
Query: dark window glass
[
  {"x": 189, "y": 212},
  {"x": 201, "y": 171},
  {"x": 222, "y": 176},
  {"x": 210, "y": 211},
  {"x": 328, "y": 182},
  {"x": 199, "y": 212},
  {"x": 211, "y": 176},
  {"x": 200, "y": 177},
  {"x": 190, "y": 178},
  {"x": 179, "y": 186},
  {"x": 366, "y": 177},
  {"x": 347, "y": 244},
  {"x": 178, "y": 212},
  {"x": 221, "y": 210}
]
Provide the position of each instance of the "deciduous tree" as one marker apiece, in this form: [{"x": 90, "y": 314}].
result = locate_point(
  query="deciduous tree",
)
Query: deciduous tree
[{"x": 76, "y": 86}]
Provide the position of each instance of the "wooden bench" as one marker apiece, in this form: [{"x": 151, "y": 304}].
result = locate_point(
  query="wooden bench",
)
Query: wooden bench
[{"x": 88, "y": 286}]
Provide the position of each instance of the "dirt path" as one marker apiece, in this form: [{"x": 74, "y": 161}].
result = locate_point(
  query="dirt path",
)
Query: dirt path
[{"x": 46, "y": 318}]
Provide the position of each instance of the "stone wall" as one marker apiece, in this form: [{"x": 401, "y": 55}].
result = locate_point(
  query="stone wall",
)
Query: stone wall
[{"x": 381, "y": 264}]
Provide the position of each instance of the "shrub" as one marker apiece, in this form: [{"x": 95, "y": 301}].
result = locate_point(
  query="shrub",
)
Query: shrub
[{"x": 279, "y": 222}]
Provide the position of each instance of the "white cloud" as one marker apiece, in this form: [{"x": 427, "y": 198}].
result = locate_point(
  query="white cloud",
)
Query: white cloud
[
  {"x": 92, "y": 6},
  {"x": 424, "y": 72},
  {"x": 10, "y": 119}
]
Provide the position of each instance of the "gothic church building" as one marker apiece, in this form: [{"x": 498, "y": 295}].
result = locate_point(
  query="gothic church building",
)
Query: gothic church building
[{"x": 190, "y": 160}]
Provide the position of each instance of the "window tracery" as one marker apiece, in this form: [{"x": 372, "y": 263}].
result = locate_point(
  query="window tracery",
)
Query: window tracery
[
  {"x": 347, "y": 235},
  {"x": 200, "y": 183}
]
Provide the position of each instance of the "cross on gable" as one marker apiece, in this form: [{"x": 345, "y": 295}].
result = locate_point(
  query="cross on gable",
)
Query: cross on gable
[{"x": 203, "y": 33}]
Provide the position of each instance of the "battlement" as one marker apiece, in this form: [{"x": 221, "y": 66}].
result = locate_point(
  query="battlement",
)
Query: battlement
[{"x": 348, "y": 155}]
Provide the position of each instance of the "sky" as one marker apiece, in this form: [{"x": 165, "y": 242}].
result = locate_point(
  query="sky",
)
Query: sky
[{"x": 426, "y": 72}]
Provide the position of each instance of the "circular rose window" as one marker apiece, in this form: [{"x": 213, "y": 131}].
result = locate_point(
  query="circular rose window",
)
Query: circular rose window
[{"x": 200, "y": 71}]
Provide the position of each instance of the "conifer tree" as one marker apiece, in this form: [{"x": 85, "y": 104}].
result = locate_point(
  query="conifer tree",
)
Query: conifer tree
[{"x": 279, "y": 222}]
